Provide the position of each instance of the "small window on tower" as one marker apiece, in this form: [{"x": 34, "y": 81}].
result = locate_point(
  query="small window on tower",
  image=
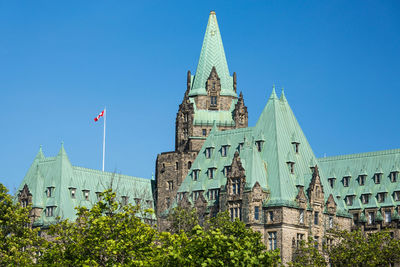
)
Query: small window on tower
[
  {"x": 195, "y": 175},
  {"x": 204, "y": 131},
  {"x": 291, "y": 167},
  {"x": 296, "y": 147},
  {"x": 176, "y": 165},
  {"x": 189, "y": 165},
  {"x": 213, "y": 100}
]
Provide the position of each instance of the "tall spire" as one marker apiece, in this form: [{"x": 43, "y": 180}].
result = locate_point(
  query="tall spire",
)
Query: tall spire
[{"x": 212, "y": 55}]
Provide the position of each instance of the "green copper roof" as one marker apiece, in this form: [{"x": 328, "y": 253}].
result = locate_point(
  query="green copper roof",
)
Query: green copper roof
[
  {"x": 212, "y": 55},
  {"x": 368, "y": 164},
  {"x": 277, "y": 126},
  {"x": 58, "y": 172}
]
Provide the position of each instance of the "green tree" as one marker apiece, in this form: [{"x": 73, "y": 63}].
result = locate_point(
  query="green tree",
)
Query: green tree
[
  {"x": 20, "y": 245},
  {"x": 109, "y": 234},
  {"x": 307, "y": 254},
  {"x": 219, "y": 243},
  {"x": 182, "y": 219}
]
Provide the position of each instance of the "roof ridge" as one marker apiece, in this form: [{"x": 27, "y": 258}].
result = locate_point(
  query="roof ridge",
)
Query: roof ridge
[
  {"x": 360, "y": 155},
  {"x": 109, "y": 173}
]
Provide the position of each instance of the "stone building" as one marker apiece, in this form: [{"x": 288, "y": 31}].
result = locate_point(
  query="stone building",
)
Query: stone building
[
  {"x": 210, "y": 97},
  {"x": 55, "y": 187}
]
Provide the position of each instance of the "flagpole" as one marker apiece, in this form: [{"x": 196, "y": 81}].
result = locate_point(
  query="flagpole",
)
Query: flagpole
[{"x": 104, "y": 136}]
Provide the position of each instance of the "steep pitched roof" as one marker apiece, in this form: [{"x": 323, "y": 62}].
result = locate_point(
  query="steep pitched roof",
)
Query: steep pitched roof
[
  {"x": 58, "y": 172},
  {"x": 212, "y": 55},
  {"x": 368, "y": 164}
]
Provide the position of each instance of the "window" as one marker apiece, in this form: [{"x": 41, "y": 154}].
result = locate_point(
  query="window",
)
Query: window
[
  {"x": 300, "y": 237},
  {"x": 24, "y": 203},
  {"x": 301, "y": 216},
  {"x": 137, "y": 201},
  {"x": 226, "y": 170},
  {"x": 124, "y": 200},
  {"x": 196, "y": 195},
  {"x": 204, "y": 131},
  {"x": 291, "y": 167},
  {"x": 271, "y": 216},
  {"x": 189, "y": 165},
  {"x": 176, "y": 165},
  {"x": 211, "y": 172},
  {"x": 50, "y": 191},
  {"x": 330, "y": 222},
  {"x": 85, "y": 194},
  {"x": 185, "y": 133},
  {"x": 365, "y": 198},
  {"x": 236, "y": 212},
  {"x": 256, "y": 213},
  {"x": 381, "y": 197},
  {"x": 181, "y": 195},
  {"x": 272, "y": 240},
  {"x": 349, "y": 200},
  {"x": 72, "y": 192},
  {"x": 331, "y": 182},
  {"x": 186, "y": 117},
  {"x": 346, "y": 181},
  {"x": 388, "y": 216},
  {"x": 170, "y": 185},
  {"x": 240, "y": 147},
  {"x": 316, "y": 241},
  {"x": 355, "y": 218},
  {"x": 296, "y": 147},
  {"x": 361, "y": 179},
  {"x": 393, "y": 177},
  {"x": 213, "y": 100},
  {"x": 259, "y": 145},
  {"x": 397, "y": 196},
  {"x": 377, "y": 178},
  {"x": 208, "y": 152},
  {"x": 149, "y": 203},
  {"x": 236, "y": 186},
  {"x": 224, "y": 151},
  {"x": 371, "y": 217},
  {"x": 213, "y": 194},
  {"x": 316, "y": 215},
  {"x": 195, "y": 175},
  {"x": 50, "y": 211}
]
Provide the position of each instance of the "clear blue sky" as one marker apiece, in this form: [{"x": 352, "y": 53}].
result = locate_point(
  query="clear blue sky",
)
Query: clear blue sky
[{"x": 62, "y": 62}]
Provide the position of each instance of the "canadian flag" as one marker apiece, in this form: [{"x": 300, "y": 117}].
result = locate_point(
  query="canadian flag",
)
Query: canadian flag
[{"x": 99, "y": 116}]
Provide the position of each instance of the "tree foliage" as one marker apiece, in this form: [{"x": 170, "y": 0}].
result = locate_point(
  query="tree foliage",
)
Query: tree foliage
[
  {"x": 307, "y": 254},
  {"x": 19, "y": 244}
]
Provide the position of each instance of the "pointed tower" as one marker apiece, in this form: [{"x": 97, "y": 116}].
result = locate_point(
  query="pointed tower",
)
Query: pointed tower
[{"x": 210, "y": 98}]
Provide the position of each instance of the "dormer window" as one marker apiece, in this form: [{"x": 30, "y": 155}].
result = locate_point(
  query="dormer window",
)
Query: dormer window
[
  {"x": 213, "y": 101},
  {"x": 137, "y": 201},
  {"x": 296, "y": 147},
  {"x": 50, "y": 211},
  {"x": 377, "y": 178},
  {"x": 393, "y": 176},
  {"x": 381, "y": 197},
  {"x": 240, "y": 147},
  {"x": 224, "y": 150},
  {"x": 196, "y": 195},
  {"x": 396, "y": 195},
  {"x": 50, "y": 191},
  {"x": 213, "y": 194},
  {"x": 349, "y": 200},
  {"x": 72, "y": 192},
  {"x": 331, "y": 182},
  {"x": 208, "y": 152},
  {"x": 235, "y": 186},
  {"x": 346, "y": 181},
  {"x": 195, "y": 174},
  {"x": 211, "y": 173},
  {"x": 291, "y": 167},
  {"x": 259, "y": 145},
  {"x": 226, "y": 170},
  {"x": 124, "y": 200},
  {"x": 85, "y": 194},
  {"x": 361, "y": 179},
  {"x": 365, "y": 198}
]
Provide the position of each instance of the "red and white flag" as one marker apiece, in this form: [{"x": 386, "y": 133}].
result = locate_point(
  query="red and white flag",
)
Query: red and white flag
[{"x": 99, "y": 116}]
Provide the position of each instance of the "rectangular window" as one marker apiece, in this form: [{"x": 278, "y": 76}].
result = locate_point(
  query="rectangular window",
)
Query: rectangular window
[
  {"x": 50, "y": 211},
  {"x": 361, "y": 179},
  {"x": 381, "y": 197},
  {"x": 213, "y": 100},
  {"x": 271, "y": 216},
  {"x": 256, "y": 213},
  {"x": 355, "y": 218},
  {"x": 397, "y": 196},
  {"x": 224, "y": 151},
  {"x": 213, "y": 194},
  {"x": 226, "y": 170},
  {"x": 393, "y": 177},
  {"x": 124, "y": 200},
  {"x": 211, "y": 173},
  {"x": 301, "y": 216},
  {"x": 240, "y": 147},
  {"x": 371, "y": 217},
  {"x": 316, "y": 217},
  {"x": 236, "y": 186},
  {"x": 195, "y": 175},
  {"x": 170, "y": 185},
  {"x": 365, "y": 198},
  {"x": 378, "y": 177},
  {"x": 73, "y": 192},
  {"x": 50, "y": 191},
  {"x": 296, "y": 147},
  {"x": 330, "y": 223},
  {"x": 300, "y": 237},
  {"x": 291, "y": 167},
  {"x": 346, "y": 181},
  {"x": 259, "y": 145},
  {"x": 349, "y": 200},
  {"x": 204, "y": 131},
  {"x": 331, "y": 182},
  {"x": 272, "y": 240},
  {"x": 208, "y": 152},
  {"x": 232, "y": 214},
  {"x": 388, "y": 216},
  {"x": 196, "y": 195},
  {"x": 316, "y": 241},
  {"x": 85, "y": 194}
]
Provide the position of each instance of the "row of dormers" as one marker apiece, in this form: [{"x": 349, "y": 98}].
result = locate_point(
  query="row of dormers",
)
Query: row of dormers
[{"x": 393, "y": 176}]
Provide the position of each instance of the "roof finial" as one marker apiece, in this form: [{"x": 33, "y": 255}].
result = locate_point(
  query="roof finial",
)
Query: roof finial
[
  {"x": 273, "y": 94},
  {"x": 283, "y": 97},
  {"x": 212, "y": 12}
]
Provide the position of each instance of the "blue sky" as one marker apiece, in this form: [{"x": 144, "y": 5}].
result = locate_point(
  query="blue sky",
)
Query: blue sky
[{"x": 62, "y": 62}]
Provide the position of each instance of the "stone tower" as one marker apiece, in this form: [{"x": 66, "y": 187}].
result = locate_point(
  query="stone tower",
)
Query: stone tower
[{"x": 210, "y": 98}]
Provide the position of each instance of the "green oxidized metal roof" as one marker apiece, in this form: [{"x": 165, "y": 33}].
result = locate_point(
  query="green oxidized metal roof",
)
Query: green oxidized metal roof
[
  {"x": 59, "y": 173},
  {"x": 367, "y": 164},
  {"x": 212, "y": 55},
  {"x": 277, "y": 125}
]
